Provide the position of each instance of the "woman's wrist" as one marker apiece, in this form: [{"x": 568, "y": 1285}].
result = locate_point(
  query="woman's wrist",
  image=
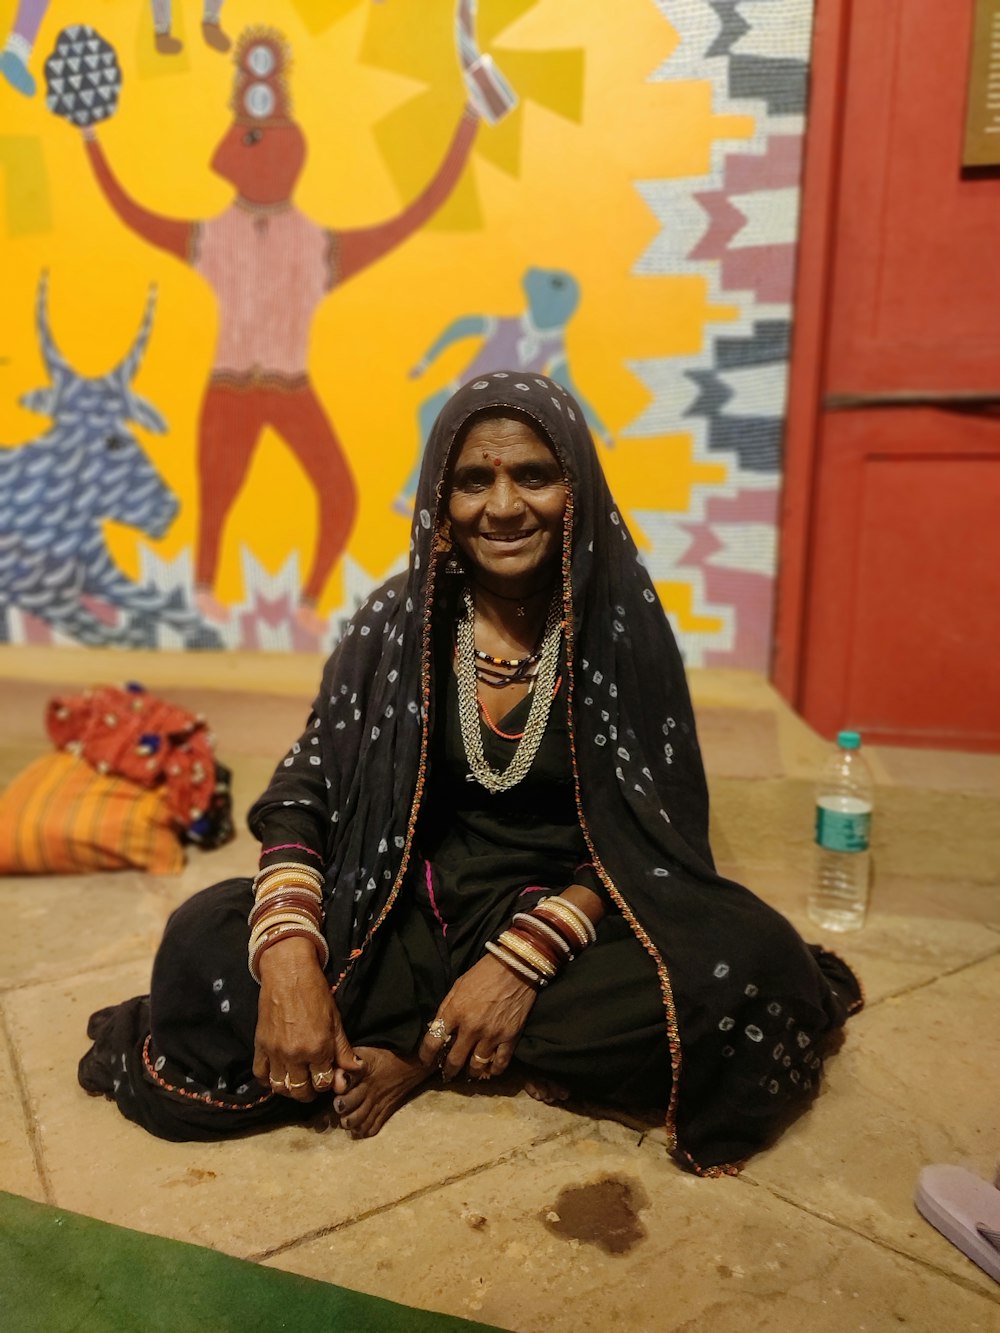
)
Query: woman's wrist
[
  {"x": 286, "y": 959},
  {"x": 587, "y": 900}
]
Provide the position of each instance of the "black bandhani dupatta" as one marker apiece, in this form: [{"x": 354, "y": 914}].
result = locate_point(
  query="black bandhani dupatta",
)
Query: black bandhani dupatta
[{"x": 746, "y": 1003}]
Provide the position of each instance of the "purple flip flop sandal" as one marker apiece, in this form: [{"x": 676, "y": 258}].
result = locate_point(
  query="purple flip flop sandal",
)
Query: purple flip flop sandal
[{"x": 964, "y": 1209}]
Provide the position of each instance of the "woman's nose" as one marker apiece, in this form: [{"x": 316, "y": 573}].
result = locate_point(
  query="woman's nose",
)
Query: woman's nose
[{"x": 504, "y": 500}]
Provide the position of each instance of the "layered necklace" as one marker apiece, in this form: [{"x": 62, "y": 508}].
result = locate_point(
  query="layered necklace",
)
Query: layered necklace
[{"x": 540, "y": 668}]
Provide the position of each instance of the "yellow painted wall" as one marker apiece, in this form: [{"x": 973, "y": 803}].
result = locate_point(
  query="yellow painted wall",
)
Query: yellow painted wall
[{"x": 377, "y": 90}]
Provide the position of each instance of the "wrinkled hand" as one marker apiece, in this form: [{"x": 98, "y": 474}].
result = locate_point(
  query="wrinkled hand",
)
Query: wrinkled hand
[
  {"x": 300, "y": 1044},
  {"x": 485, "y": 1011}
]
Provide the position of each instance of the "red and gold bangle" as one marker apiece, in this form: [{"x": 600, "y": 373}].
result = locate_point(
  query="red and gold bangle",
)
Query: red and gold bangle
[
  {"x": 536, "y": 941},
  {"x": 570, "y": 936},
  {"x": 565, "y": 914},
  {"x": 527, "y": 953},
  {"x": 303, "y": 902},
  {"x": 515, "y": 965},
  {"x": 288, "y": 879},
  {"x": 286, "y": 867},
  {"x": 287, "y": 932},
  {"x": 532, "y": 921}
]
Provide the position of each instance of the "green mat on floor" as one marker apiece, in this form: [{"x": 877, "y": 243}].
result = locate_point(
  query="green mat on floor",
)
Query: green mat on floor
[{"x": 60, "y": 1271}]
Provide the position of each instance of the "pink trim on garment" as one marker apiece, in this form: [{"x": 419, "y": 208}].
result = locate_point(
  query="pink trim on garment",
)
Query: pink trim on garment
[
  {"x": 290, "y": 847},
  {"x": 429, "y": 880}
]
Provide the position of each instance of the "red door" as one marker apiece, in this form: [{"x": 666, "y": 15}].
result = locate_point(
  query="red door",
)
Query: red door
[{"x": 889, "y": 586}]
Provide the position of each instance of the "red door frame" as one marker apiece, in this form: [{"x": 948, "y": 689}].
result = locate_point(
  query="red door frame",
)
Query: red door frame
[{"x": 820, "y": 186}]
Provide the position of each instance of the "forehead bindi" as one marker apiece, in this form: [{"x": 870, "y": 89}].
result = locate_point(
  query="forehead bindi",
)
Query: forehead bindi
[{"x": 496, "y": 441}]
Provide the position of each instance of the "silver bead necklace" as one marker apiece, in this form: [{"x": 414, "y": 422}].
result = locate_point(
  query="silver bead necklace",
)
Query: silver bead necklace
[{"x": 468, "y": 699}]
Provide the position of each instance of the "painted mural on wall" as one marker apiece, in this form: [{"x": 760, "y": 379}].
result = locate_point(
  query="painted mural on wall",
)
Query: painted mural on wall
[{"x": 612, "y": 200}]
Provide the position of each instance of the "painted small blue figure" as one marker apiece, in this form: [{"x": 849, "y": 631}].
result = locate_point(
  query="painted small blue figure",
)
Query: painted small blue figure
[
  {"x": 57, "y": 491},
  {"x": 534, "y": 341}
]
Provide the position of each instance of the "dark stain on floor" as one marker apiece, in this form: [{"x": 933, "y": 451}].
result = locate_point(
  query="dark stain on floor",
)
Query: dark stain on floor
[{"x": 604, "y": 1213}]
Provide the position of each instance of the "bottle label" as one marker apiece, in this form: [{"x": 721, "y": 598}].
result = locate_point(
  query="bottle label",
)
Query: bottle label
[{"x": 844, "y": 830}]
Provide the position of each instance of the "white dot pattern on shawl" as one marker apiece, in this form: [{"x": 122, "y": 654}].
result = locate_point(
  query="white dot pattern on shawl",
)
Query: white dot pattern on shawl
[
  {"x": 557, "y": 404},
  {"x": 222, "y": 1085},
  {"x": 340, "y": 725},
  {"x": 803, "y": 1039},
  {"x": 661, "y": 871},
  {"x": 159, "y": 1062},
  {"x": 721, "y": 969},
  {"x": 589, "y": 699},
  {"x": 288, "y": 763},
  {"x": 383, "y": 845},
  {"x": 500, "y": 375},
  {"x": 525, "y": 388},
  {"x": 597, "y": 677},
  {"x": 315, "y": 760},
  {"x": 392, "y": 676},
  {"x": 665, "y": 816},
  {"x": 774, "y": 1008},
  {"x": 727, "y": 1024},
  {"x": 335, "y": 817},
  {"x": 314, "y": 740},
  {"x": 753, "y": 1032},
  {"x": 570, "y": 413},
  {"x": 481, "y": 384},
  {"x": 623, "y": 753},
  {"x": 649, "y": 595},
  {"x": 365, "y": 631},
  {"x": 296, "y": 748},
  {"x": 411, "y": 707},
  {"x": 243, "y": 1088},
  {"x": 728, "y": 1051},
  {"x": 375, "y": 733},
  {"x": 389, "y": 710},
  {"x": 224, "y": 1006},
  {"x": 614, "y": 517},
  {"x": 425, "y": 522},
  {"x": 218, "y": 984},
  {"x": 599, "y": 739},
  {"x": 399, "y": 841},
  {"x": 750, "y": 989}
]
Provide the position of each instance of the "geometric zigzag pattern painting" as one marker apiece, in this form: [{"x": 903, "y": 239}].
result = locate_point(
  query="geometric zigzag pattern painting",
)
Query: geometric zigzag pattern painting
[
  {"x": 736, "y": 226},
  {"x": 609, "y": 197}
]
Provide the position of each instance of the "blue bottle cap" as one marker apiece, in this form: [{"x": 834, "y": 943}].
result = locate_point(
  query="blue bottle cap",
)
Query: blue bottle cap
[{"x": 849, "y": 740}]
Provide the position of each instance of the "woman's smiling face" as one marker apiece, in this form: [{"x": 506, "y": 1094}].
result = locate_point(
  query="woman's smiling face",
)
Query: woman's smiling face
[{"x": 506, "y": 500}]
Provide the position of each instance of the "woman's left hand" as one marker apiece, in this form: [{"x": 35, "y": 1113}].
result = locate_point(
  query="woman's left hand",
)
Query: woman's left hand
[{"x": 484, "y": 1013}]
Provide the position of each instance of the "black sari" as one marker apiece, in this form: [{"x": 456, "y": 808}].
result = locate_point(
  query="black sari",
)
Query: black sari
[{"x": 744, "y": 1004}]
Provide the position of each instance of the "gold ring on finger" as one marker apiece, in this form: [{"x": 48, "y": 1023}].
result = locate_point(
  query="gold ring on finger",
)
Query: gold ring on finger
[
  {"x": 295, "y": 1086},
  {"x": 322, "y": 1078},
  {"x": 438, "y": 1029}
]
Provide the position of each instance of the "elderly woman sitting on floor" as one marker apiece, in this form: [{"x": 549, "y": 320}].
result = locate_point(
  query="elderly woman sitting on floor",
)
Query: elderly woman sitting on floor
[{"x": 489, "y": 845}]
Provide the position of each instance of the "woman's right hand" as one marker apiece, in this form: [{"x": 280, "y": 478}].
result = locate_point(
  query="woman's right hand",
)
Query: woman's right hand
[{"x": 300, "y": 1044}]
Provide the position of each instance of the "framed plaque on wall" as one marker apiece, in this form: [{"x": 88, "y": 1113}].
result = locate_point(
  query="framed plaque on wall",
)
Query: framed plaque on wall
[{"x": 982, "y": 117}]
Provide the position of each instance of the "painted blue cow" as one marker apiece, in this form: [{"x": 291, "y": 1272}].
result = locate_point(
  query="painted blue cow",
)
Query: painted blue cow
[{"x": 57, "y": 491}]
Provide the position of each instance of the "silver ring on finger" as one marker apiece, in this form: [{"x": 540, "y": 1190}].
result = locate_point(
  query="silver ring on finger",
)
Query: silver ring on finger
[{"x": 438, "y": 1029}]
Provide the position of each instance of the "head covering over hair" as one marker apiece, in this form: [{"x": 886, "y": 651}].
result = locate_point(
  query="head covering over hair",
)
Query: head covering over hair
[{"x": 745, "y": 1001}]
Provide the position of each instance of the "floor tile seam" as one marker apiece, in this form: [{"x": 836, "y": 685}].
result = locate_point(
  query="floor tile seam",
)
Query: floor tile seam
[
  {"x": 334, "y": 1228},
  {"x": 24, "y": 1099},
  {"x": 930, "y": 981},
  {"x": 747, "y": 1179}
]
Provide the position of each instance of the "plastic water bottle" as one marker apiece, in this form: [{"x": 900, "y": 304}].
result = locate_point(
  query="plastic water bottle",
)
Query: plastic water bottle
[{"x": 845, "y": 795}]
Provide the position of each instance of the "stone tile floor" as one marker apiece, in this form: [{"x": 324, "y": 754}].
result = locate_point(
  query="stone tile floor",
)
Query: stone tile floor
[{"x": 493, "y": 1206}]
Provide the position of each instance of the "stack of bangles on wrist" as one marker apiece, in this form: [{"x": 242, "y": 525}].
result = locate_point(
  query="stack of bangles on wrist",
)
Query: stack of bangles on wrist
[
  {"x": 537, "y": 945},
  {"x": 288, "y": 902}
]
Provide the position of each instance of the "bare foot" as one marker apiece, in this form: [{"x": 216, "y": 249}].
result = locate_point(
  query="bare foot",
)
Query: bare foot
[
  {"x": 544, "y": 1090},
  {"x": 385, "y": 1085}
]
